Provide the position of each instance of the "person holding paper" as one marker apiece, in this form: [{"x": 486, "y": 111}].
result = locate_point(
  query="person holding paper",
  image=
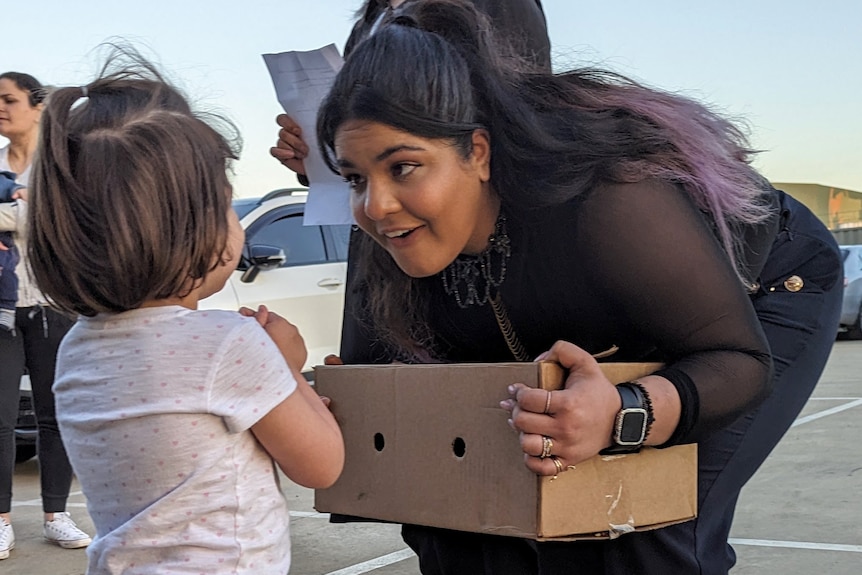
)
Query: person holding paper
[
  {"x": 521, "y": 22},
  {"x": 514, "y": 216}
]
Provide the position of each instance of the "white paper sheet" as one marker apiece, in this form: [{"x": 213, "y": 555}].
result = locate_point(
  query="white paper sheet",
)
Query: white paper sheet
[{"x": 302, "y": 80}]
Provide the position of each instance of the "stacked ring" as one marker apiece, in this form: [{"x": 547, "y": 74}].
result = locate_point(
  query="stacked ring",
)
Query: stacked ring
[
  {"x": 558, "y": 464},
  {"x": 547, "y": 445}
]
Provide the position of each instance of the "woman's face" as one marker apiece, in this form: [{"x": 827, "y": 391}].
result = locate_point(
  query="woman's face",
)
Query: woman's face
[
  {"x": 17, "y": 116},
  {"x": 419, "y": 198}
]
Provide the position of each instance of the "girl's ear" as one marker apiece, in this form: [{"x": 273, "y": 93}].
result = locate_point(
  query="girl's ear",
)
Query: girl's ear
[{"x": 480, "y": 157}]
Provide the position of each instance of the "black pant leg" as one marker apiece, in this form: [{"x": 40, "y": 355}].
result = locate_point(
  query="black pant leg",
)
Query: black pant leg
[
  {"x": 42, "y": 335},
  {"x": 446, "y": 552},
  {"x": 11, "y": 370}
]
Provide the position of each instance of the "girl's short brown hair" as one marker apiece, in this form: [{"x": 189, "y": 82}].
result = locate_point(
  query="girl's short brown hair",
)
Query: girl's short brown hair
[{"x": 130, "y": 194}]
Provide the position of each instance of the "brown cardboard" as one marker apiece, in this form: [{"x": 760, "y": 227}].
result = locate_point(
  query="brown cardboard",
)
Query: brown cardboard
[{"x": 429, "y": 445}]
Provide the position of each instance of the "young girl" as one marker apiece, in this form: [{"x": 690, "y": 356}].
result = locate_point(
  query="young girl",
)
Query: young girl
[{"x": 172, "y": 417}]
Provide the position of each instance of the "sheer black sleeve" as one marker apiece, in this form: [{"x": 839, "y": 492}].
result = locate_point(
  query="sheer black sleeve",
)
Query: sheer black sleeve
[{"x": 653, "y": 255}]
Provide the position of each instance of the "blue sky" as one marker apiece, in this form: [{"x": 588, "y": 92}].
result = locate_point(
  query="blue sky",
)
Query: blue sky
[{"x": 789, "y": 68}]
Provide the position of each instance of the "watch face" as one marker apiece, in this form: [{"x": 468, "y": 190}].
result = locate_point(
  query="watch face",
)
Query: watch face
[{"x": 632, "y": 428}]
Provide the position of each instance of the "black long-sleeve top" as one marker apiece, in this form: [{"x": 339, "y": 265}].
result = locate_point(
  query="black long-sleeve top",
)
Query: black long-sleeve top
[{"x": 637, "y": 266}]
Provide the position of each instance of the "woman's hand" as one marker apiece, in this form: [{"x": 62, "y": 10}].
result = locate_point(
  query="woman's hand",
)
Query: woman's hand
[
  {"x": 285, "y": 335},
  {"x": 290, "y": 149},
  {"x": 570, "y": 425}
]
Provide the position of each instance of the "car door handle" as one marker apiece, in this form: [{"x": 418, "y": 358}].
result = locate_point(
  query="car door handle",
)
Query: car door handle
[{"x": 330, "y": 283}]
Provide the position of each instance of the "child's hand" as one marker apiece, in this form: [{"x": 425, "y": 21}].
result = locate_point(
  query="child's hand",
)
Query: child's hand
[
  {"x": 20, "y": 194},
  {"x": 285, "y": 335}
]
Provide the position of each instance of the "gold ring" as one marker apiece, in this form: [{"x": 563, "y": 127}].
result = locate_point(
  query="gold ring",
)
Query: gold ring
[
  {"x": 547, "y": 445},
  {"x": 559, "y": 465},
  {"x": 547, "y": 404}
]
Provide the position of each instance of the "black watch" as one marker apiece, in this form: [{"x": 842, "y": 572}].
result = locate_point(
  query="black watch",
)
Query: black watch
[{"x": 632, "y": 422}]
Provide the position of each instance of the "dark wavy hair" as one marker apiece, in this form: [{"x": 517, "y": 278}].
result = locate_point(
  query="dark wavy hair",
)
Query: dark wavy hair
[
  {"x": 36, "y": 92},
  {"x": 434, "y": 70},
  {"x": 130, "y": 194},
  {"x": 522, "y": 24}
]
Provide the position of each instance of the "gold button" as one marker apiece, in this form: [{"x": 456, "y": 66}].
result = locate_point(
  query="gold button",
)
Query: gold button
[{"x": 793, "y": 283}]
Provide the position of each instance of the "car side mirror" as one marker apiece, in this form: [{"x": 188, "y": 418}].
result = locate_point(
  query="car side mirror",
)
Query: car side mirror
[{"x": 262, "y": 257}]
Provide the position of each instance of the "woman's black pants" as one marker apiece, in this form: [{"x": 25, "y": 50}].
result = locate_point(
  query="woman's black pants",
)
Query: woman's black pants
[{"x": 34, "y": 344}]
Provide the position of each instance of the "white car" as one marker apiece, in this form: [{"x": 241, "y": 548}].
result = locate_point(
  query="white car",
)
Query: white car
[
  {"x": 294, "y": 270},
  {"x": 851, "y": 311}
]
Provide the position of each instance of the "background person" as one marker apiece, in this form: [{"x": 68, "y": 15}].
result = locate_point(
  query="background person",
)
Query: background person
[
  {"x": 38, "y": 331},
  {"x": 577, "y": 212},
  {"x": 172, "y": 417},
  {"x": 10, "y": 191},
  {"x": 521, "y": 22}
]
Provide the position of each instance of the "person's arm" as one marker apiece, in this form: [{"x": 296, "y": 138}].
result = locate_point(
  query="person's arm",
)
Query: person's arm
[
  {"x": 13, "y": 216},
  {"x": 256, "y": 389},
  {"x": 652, "y": 255},
  {"x": 303, "y": 437},
  {"x": 290, "y": 149},
  {"x": 664, "y": 269},
  {"x": 300, "y": 433}
]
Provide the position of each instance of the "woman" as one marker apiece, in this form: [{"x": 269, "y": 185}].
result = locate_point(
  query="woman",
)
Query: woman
[
  {"x": 38, "y": 331},
  {"x": 511, "y": 215}
]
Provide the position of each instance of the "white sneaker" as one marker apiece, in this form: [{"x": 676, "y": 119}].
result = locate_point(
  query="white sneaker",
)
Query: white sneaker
[
  {"x": 63, "y": 531},
  {"x": 7, "y": 539}
]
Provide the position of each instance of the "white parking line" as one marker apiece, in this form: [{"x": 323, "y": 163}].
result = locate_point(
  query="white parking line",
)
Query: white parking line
[
  {"x": 797, "y": 545},
  {"x": 404, "y": 554},
  {"x": 827, "y": 412},
  {"x": 311, "y": 514},
  {"x": 376, "y": 563}
]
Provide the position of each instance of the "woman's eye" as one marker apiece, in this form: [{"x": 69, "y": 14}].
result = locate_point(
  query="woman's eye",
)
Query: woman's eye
[
  {"x": 354, "y": 181},
  {"x": 402, "y": 170}
]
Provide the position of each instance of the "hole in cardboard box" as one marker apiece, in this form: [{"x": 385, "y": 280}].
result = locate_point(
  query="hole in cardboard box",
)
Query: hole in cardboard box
[
  {"x": 459, "y": 447},
  {"x": 379, "y": 442}
]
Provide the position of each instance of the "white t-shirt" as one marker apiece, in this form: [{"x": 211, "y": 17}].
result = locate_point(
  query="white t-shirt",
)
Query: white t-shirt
[
  {"x": 24, "y": 177},
  {"x": 154, "y": 407}
]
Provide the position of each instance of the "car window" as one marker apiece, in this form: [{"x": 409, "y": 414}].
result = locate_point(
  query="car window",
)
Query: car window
[
  {"x": 341, "y": 237},
  {"x": 302, "y": 245}
]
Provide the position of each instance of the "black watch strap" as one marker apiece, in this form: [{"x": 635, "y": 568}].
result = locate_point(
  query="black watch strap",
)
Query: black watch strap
[{"x": 633, "y": 421}]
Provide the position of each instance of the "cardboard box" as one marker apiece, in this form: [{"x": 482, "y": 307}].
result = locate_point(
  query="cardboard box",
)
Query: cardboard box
[{"x": 429, "y": 445}]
